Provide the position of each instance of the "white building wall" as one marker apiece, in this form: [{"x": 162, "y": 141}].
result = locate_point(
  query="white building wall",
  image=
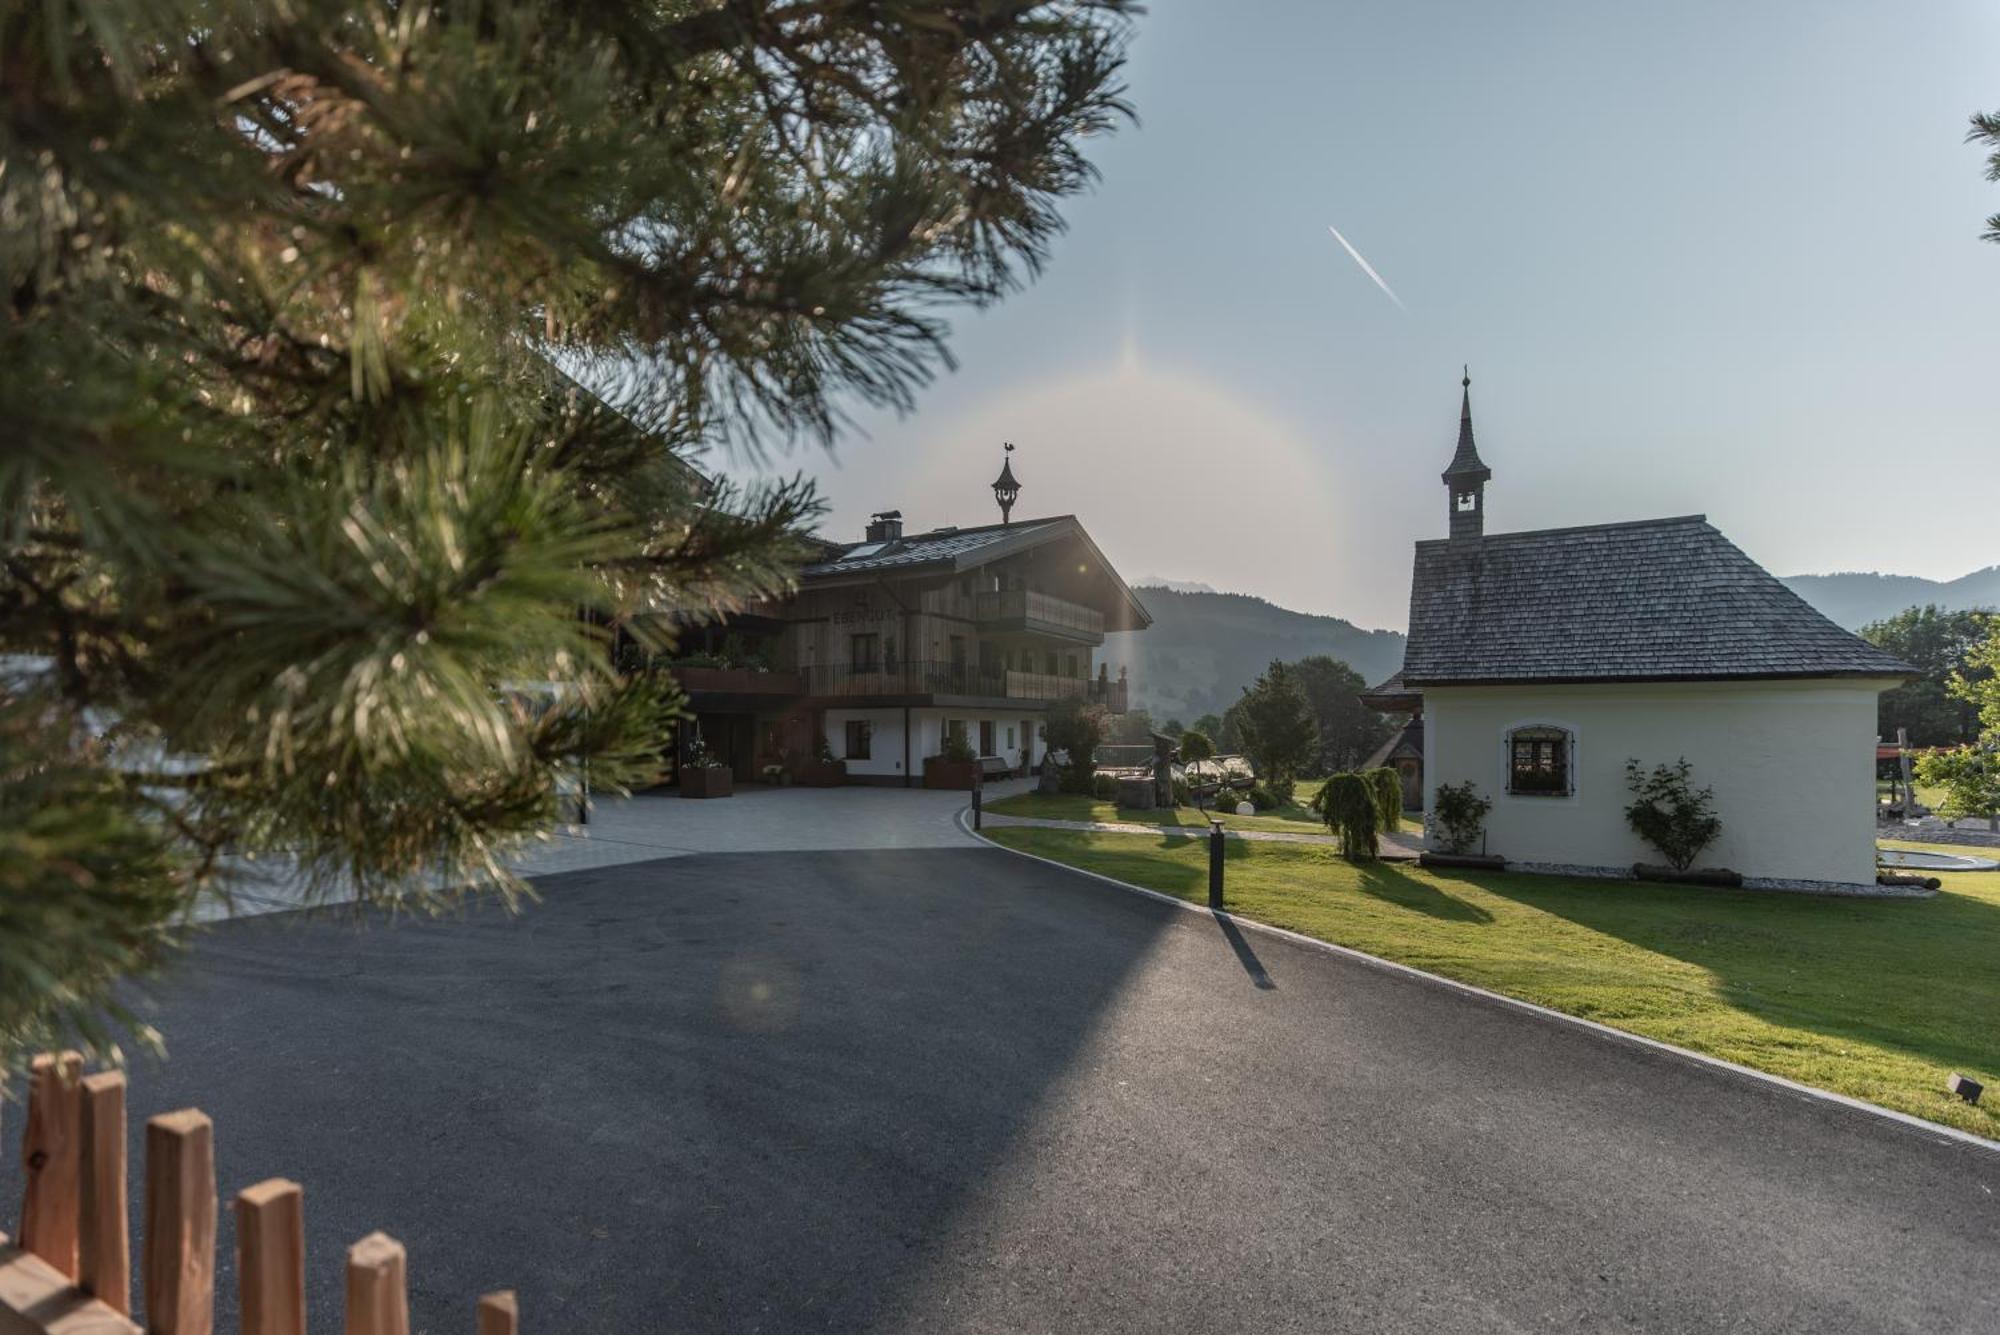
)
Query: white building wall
[
  {"x": 926, "y": 736},
  {"x": 885, "y": 745},
  {"x": 1792, "y": 765}
]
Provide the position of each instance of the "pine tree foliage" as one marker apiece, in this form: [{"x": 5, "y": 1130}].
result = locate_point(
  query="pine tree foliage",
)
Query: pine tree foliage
[
  {"x": 314, "y": 538},
  {"x": 1986, "y": 131}
]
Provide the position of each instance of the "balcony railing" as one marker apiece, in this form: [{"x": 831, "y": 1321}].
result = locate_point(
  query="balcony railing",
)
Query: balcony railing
[
  {"x": 1029, "y": 610},
  {"x": 737, "y": 681},
  {"x": 852, "y": 680}
]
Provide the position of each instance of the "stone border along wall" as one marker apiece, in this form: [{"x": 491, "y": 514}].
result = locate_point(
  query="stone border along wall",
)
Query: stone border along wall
[{"x": 1842, "y": 889}]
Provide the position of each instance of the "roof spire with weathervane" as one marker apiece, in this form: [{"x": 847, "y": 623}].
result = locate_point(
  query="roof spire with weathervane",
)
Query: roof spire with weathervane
[{"x": 1005, "y": 488}]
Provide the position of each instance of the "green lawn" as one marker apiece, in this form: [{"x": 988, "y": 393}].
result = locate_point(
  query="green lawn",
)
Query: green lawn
[
  {"x": 1878, "y": 999},
  {"x": 1296, "y": 817},
  {"x": 1926, "y": 794}
]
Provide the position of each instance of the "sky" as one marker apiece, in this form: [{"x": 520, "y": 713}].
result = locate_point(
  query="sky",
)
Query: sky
[{"x": 1700, "y": 257}]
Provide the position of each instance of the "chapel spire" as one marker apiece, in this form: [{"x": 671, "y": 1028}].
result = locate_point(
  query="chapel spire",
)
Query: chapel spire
[{"x": 1465, "y": 479}]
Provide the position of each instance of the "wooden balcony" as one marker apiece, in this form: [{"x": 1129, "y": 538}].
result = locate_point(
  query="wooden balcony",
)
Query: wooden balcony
[
  {"x": 738, "y": 681},
  {"x": 1039, "y": 613},
  {"x": 927, "y": 683}
]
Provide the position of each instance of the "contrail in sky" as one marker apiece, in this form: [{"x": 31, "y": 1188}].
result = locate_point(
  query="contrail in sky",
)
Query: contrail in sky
[{"x": 1367, "y": 268}]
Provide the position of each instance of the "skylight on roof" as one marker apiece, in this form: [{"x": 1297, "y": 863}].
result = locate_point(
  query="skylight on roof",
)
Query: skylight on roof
[{"x": 865, "y": 549}]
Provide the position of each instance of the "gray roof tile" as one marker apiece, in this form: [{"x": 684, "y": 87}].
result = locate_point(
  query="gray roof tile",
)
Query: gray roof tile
[
  {"x": 1664, "y": 599},
  {"x": 921, "y": 549}
]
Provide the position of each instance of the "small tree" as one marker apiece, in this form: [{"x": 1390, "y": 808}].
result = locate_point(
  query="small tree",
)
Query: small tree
[
  {"x": 1194, "y": 748},
  {"x": 1458, "y": 815},
  {"x": 1977, "y": 681},
  {"x": 1346, "y": 802},
  {"x": 1387, "y": 786},
  {"x": 1077, "y": 727},
  {"x": 1349, "y": 731},
  {"x": 1279, "y": 731},
  {"x": 1970, "y": 777},
  {"x": 1670, "y": 813}
]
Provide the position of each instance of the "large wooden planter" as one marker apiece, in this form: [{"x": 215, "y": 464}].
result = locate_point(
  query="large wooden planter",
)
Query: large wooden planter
[
  {"x": 714, "y": 781},
  {"x": 821, "y": 774},
  {"x": 1463, "y": 861},
  {"x": 957, "y": 775}
]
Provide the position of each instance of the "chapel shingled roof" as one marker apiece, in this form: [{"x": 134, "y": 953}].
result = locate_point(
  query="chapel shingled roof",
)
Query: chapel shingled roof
[{"x": 1662, "y": 599}]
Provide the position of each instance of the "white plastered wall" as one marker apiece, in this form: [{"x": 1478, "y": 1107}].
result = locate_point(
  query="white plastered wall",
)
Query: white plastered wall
[{"x": 1791, "y": 762}]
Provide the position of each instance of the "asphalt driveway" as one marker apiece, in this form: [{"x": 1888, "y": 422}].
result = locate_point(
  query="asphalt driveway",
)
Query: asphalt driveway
[{"x": 951, "y": 1090}]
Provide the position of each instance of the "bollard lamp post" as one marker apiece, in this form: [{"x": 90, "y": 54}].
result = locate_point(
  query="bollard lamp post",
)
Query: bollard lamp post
[{"x": 1214, "y": 863}]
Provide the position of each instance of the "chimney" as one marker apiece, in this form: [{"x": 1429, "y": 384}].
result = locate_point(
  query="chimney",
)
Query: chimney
[{"x": 885, "y": 526}]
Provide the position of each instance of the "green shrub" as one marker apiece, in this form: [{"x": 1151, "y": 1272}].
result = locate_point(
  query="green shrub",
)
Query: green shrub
[
  {"x": 956, "y": 747},
  {"x": 1458, "y": 815},
  {"x": 1261, "y": 798},
  {"x": 1104, "y": 787},
  {"x": 1970, "y": 777},
  {"x": 1387, "y": 785},
  {"x": 1183, "y": 795},
  {"x": 1347, "y": 804},
  {"x": 1075, "y": 727},
  {"x": 1670, "y": 813},
  {"x": 1195, "y": 745}
]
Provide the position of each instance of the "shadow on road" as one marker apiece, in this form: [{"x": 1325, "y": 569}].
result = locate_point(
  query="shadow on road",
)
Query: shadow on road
[
  {"x": 709, "y": 1093},
  {"x": 1244, "y": 954}
]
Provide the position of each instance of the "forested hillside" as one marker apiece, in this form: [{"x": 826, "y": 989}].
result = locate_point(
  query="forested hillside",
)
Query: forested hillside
[{"x": 1204, "y": 648}]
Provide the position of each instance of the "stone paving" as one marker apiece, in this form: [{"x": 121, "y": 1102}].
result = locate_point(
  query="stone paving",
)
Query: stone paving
[{"x": 663, "y": 824}]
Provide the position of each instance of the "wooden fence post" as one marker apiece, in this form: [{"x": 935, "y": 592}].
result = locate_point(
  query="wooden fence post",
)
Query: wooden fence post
[
  {"x": 500, "y": 1314},
  {"x": 378, "y": 1300},
  {"x": 104, "y": 1252},
  {"x": 271, "y": 1258},
  {"x": 180, "y": 1223},
  {"x": 51, "y": 1146}
]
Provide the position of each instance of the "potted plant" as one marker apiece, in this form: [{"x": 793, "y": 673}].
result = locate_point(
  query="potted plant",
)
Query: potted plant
[
  {"x": 822, "y": 771},
  {"x": 954, "y": 767},
  {"x": 703, "y": 774}
]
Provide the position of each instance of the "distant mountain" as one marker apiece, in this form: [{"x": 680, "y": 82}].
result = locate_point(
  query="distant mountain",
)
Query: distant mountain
[
  {"x": 1854, "y": 599},
  {"x": 1176, "y": 585},
  {"x": 1204, "y": 647}
]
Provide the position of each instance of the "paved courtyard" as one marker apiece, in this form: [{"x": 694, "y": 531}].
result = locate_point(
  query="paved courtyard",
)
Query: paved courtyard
[
  {"x": 942, "y": 1088},
  {"x": 662, "y": 824}
]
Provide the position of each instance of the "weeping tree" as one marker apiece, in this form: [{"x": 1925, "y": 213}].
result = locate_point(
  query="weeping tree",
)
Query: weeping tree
[
  {"x": 1387, "y": 787},
  {"x": 356, "y": 356},
  {"x": 1347, "y": 803}
]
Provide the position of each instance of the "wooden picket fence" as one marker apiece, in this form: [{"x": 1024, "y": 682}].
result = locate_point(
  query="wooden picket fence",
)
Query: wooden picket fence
[{"x": 69, "y": 1272}]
